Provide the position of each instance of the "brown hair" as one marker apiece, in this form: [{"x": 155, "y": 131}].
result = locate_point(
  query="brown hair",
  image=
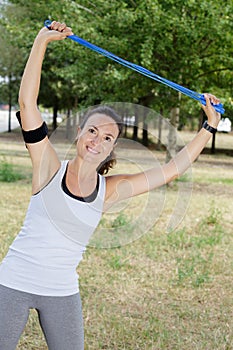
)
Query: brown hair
[{"x": 110, "y": 161}]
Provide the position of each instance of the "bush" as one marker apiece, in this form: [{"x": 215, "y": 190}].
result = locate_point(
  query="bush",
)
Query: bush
[{"x": 8, "y": 174}]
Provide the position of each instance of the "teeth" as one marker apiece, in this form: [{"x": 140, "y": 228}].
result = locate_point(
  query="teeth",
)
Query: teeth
[{"x": 92, "y": 150}]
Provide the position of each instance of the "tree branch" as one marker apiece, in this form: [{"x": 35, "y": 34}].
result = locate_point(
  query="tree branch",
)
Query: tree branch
[{"x": 212, "y": 71}]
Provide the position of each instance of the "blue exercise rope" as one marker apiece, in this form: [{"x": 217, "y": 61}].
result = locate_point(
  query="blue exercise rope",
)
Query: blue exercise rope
[{"x": 195, "y": 95}]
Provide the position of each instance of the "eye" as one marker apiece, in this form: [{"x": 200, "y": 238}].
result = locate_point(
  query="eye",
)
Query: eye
[
  {"x": 108, "y": 139},
  {"x": 92, "y": 131}
]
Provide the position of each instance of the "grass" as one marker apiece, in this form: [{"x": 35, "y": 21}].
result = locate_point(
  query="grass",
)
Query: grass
[
  {"x": 8, "y": 173},
  {"x": 161, "y": 291}
]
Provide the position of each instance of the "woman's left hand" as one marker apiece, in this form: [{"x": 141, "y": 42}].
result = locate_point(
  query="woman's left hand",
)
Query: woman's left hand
[
  {"x": 213, "y": 116},
  {"x": 57, "y": 31}
]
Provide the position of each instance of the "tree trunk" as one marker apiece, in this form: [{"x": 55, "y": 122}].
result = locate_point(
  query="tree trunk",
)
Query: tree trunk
[
  {"x": 9, "y": 116},
  {"x": 10, "y": 104},
  {"x": 160, "y": 123},
  {"x": 55, "y": 111},
  {"x": 68, "y": 124},
  {"x": 171, "y": 144},
  {"x": 213, "y": 144},
  {"x": 124, "y": 112},
  {"x": 135, "y": 127},
  {"x": 145, "y": 141}
]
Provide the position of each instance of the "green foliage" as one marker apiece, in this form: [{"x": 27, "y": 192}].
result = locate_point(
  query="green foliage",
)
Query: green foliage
[
  {"x": 193, "y": 266},
  {"x": 188, "y": 42},
  {"x": 7, "y": 172},
  {"x": 194, "y": 270},
  {"x": 120, "y": 220},
  {"x": 183, "y": 178},
  {"x": 116, "y": 263}
]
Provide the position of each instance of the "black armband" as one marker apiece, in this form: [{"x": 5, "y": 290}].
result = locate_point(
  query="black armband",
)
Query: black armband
[
  {"x": 33, "y": 136},
  {"x": 36, "y": 135}
]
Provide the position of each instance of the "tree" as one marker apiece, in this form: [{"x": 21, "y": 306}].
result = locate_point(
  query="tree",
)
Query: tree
[
  {"x": 11, "y": 60},
  {"x": 187, "y": 42}
]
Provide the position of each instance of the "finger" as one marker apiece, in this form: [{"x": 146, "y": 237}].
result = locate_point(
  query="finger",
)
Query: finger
[
  {"x": 212, "y": 98},
  {"x": 207, "y": 100},
  {"x": 62, "y": 27},
  {"x": 54, "y": 25},
  {"x": 68, "y": 30},
  {"x": 58, "y": 26},
  {"x": 209, "y": 108}
]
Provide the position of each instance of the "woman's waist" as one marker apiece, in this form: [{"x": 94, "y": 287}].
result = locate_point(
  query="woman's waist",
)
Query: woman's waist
[
  {"x": 43, "y": 259},
  {"x": 38, "y": 279}
]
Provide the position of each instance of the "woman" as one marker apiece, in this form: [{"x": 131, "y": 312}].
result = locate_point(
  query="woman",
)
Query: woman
[{"x": 67, "y": 201}]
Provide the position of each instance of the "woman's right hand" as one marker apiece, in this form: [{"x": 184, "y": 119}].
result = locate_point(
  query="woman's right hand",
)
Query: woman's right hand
[
  {"x": 44, "y": 157},
  {"x": 212, "y": 116},
  {"x": 57, "y": 31}
]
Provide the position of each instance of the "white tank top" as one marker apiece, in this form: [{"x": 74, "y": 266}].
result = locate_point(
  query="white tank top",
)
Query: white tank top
[{"x": 43, "y": 258}]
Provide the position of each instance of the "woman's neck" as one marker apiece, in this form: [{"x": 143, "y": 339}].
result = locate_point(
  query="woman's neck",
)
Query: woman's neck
[
  {"x": 81, "y": 169},
  {"x": 81, "y": 178}
]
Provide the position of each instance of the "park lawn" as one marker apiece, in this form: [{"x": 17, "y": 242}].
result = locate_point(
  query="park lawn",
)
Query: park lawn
[{"x": 167, "y": 289}]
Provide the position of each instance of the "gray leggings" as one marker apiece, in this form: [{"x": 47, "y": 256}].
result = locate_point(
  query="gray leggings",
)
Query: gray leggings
[{"x": 60, "y": 319}]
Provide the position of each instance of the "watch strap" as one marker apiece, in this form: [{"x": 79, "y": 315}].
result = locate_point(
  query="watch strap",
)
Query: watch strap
[{"x": 209, "y": 128}]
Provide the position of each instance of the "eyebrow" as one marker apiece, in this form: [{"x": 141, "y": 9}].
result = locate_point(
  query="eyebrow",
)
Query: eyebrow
[{"x": 108, "y": 134}]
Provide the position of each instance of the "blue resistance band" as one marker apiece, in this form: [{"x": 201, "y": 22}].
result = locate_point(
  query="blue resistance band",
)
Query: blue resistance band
[{"x": 195, "y": 95}]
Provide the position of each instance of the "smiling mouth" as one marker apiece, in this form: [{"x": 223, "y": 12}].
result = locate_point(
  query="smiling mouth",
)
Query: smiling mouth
[{"x": 91, "y": 150}]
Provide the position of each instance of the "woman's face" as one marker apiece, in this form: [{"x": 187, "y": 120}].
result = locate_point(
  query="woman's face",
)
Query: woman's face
[{"x": 97, "y": 138}]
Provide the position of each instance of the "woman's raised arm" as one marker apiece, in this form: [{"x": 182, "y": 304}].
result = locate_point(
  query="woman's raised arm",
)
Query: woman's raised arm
[
  {"x": 31, "y": 120},
  {"x": 123, "y": 186}
]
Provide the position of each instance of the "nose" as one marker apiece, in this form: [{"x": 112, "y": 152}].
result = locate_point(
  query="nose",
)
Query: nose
[{"x": 96, "y": 140}]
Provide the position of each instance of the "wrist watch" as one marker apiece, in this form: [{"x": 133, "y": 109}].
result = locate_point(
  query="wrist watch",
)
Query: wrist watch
[{"x": 209, "y": 128}]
